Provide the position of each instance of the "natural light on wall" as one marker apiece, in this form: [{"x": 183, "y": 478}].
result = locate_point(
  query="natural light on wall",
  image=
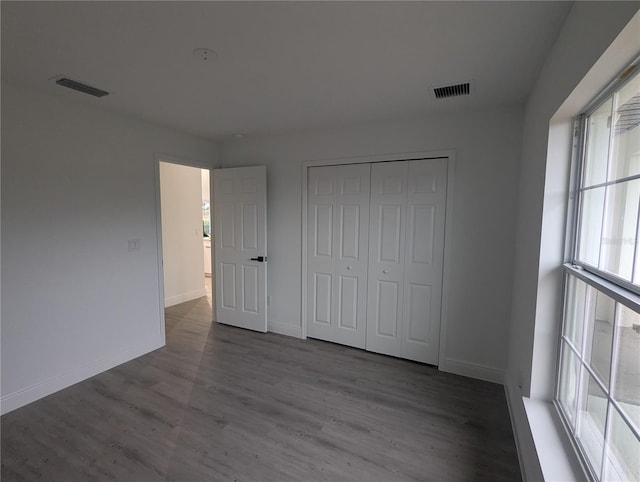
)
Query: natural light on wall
[{"x": 598, "y": 390}]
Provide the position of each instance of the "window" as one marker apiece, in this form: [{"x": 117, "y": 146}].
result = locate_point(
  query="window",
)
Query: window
[
  {"x": 598, "y": 383},
  {"x": 206, "y": 219}
]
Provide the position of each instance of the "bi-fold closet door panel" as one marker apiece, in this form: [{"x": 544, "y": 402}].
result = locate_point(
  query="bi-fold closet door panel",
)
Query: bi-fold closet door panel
[
  {"x": 406, "y": 243},
  {"x": 337, "y": 253},
  {"x": 388, "y": 210}
]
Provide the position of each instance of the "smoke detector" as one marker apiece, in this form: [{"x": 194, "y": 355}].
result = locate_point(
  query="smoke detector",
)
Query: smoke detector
[{"x": 204, "y": 54}]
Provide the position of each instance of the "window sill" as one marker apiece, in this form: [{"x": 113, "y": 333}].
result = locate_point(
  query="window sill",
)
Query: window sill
[{"x": 556, "y": 456}]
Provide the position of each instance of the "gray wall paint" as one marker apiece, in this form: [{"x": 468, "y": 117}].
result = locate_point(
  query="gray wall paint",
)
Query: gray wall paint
[
  {"x": 77, "y": 184},
  {"x": 487, "y": 145}
]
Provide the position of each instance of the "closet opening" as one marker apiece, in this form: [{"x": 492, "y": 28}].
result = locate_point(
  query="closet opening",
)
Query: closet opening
[{"x": 374, "y": 253}]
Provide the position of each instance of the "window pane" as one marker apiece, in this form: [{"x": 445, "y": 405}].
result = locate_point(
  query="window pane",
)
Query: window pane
[
  {"x": 619, "y": 231},
  {"x": 599, "y": 334},
  {"x": 592, "y": 412},
  {"x": 626, "y": 136},
  {"x": 627, "y": 370},
  {"x": 575, "y": 308},
  {"x": 623, "y": 451},
  {"x": 206, "y": 218},
  {"x": 591, "y": 225},
  {"x": 568, "y": 387},
  {"x": 597, "y": 149}
]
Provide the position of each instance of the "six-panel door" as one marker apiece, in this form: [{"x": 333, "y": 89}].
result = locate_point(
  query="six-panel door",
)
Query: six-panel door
[
  {"x": 424, "y": 256},
  {"x": 240, "y": 235},
  {"x": 386, "y": 259}
]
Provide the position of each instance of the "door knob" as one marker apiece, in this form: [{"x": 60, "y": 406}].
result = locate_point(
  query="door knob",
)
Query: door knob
[
  {"x": 348, "y": 267},
  {"x": 384, "y": 271},
  {"x": 260, "y": 259}
]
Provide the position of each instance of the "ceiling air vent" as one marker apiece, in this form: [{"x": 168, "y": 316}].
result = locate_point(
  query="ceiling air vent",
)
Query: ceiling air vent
[
  {"x": 444, "y": 91},
  {"x": 80, "y": 87}
]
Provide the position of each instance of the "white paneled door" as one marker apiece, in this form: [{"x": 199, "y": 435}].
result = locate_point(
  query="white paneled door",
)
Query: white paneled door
[
  {"x": 240, "y": 238},
  {"x": 386, "y": 260},
  {"x": 408, "y": 206},
  {"x": 375, "y": 251},
  {"x": 337, "y": 253}
]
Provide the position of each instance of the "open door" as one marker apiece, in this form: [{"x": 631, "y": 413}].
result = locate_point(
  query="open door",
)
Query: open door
[{"x": 240, "y": 238}]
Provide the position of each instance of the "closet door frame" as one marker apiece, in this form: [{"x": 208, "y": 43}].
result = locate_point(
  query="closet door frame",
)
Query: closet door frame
[{"x": 407, "y": 156}]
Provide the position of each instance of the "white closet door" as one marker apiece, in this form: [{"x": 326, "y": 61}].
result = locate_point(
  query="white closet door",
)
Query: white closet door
[
  {"x": 386, "y": 260},
  {"x": 424, "y": 255},
  {"x": 406, "y": 242},
  {"x": 337, "y": 253}
]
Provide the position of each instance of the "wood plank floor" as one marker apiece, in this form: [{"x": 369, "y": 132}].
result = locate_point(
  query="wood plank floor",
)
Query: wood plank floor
[{"x": 221, "y": 403}]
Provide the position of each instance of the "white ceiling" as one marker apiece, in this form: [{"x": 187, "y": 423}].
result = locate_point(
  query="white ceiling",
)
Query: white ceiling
[{"x": 280, "y": 66}]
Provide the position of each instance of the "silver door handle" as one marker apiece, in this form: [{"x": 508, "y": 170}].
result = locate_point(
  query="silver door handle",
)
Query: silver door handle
[
  {"x": 384, "y": 271},
  {"x": 348, "y": 267}
]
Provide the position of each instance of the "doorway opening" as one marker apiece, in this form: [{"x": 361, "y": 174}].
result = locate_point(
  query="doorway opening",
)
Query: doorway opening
[{"x": 185, "y": 232}]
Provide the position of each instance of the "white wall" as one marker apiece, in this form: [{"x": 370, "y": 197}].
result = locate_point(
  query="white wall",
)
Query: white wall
[
  {"x": 487, "y": 146},
  {"x": 77, "y": 184},
  {"x": 182, "y": 252},
  {"x": 565, "y": 85}
]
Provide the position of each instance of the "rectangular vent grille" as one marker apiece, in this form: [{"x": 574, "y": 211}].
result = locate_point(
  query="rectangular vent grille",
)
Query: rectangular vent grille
[
  {"x": 80, "y": 87},
  {"x": 452, "y": 90}
]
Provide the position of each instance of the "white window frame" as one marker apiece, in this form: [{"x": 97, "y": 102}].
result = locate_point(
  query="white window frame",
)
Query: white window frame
[{"x": 615, "y": 287}]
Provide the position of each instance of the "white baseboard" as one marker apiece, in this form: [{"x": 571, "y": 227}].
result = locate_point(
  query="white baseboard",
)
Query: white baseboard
[
  {"x": 182, "y": 297},
  {"x": 473, "y": 370},
  {"x": 284, "y": 329},
  {"x": 40, "y": 390}
]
